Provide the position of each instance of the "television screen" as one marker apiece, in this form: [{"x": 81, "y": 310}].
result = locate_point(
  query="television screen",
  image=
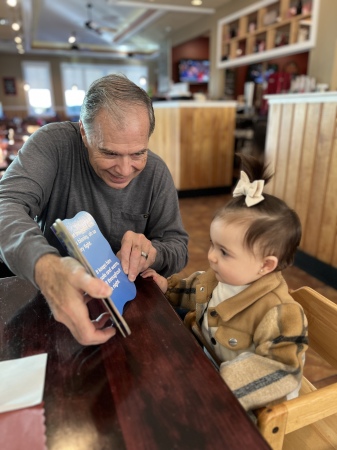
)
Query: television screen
[
  {"x": 259, "y": 74},
  {"x": 194, "y": 71}
]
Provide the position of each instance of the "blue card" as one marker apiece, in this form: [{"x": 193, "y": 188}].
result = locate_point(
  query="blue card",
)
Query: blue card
[{"x": 84, "y": 241}]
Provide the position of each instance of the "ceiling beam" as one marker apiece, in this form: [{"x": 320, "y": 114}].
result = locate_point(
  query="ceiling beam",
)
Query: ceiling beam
[
  {"x": 177, "y": 8},
  {"x": 141, "y": 22}
]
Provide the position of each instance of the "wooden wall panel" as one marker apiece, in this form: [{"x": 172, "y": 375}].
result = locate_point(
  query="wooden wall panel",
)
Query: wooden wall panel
[
  {"x": 319, "y": 179},
  {"x": 327, "y": 246},
  {"x": 197, "y": 143},
  {"x": 225, "y": 124},
  {"x": 295, "y": 152},
  {"x": 206, "y": 151},
  {"x": 189, "y": 149},
  {"x": 302, "y": 146},
  {"x": 165, "y": 140},
  {"x": 303, "y": 204},
  {"x": 282, "y": 157},
  {"x": 272, "y": 142}
]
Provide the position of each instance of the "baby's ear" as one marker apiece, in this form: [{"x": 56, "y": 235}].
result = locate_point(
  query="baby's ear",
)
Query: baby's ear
[{"x": 270, "y": 264}]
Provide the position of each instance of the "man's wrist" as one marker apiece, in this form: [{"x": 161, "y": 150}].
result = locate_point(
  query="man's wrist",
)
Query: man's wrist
[{"x": 43, "y": 266}]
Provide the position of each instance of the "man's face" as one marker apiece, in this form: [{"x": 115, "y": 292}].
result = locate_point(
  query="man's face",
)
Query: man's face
[{"x": 117, "y": 154}]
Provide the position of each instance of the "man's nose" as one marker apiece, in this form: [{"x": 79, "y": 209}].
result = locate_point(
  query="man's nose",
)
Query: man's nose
[{"x": 124, "y": 165}]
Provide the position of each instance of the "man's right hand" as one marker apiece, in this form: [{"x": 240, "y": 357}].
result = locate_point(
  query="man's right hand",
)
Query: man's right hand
[{"x": 64, "y": 283}]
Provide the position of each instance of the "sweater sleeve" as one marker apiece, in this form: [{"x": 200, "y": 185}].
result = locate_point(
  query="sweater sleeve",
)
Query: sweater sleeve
[
  {"x": 181, "y": 292},
  {"x": 164, "y": 224},
  {"x": 275, "y": 369},
  {"x": 24, "y": 192}
]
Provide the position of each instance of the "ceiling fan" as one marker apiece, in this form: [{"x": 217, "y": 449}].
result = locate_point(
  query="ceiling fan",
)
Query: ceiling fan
[{"x": 94, "y": 26}]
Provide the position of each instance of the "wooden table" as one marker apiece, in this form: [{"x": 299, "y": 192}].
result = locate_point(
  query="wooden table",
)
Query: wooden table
[{"x": 152, "y": 390}]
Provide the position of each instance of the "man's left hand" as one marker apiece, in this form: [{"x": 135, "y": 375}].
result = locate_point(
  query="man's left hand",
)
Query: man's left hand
[{"x": 136, "y": 254}]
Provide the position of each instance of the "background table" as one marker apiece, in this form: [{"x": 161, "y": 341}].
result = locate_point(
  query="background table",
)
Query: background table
[{"x": 154, "y": 389}]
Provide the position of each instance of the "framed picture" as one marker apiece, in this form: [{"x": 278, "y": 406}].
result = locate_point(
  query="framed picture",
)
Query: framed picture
[{"x": 9, "y": 85}]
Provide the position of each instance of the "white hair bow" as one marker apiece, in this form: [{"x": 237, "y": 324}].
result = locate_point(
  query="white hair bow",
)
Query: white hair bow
[{"x": 252, "y": 191}]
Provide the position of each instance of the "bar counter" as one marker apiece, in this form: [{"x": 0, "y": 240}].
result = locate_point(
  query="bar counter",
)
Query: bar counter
[{"x": 196, "y": 140}]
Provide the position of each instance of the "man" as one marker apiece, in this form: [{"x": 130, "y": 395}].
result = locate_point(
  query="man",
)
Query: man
[{"x": 103, "y": 166}]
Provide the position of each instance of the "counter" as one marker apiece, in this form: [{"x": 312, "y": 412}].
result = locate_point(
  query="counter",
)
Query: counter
[
  {"x": 301, "y": 145},
  {"x": 196, "y": 140}
]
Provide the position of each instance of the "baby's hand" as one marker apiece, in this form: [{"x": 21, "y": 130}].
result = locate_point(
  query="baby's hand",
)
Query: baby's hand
[{"x": 158, "y": 279}]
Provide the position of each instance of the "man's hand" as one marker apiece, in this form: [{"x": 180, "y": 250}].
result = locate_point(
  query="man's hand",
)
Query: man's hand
[
  {"x": 64, "y": 282},
  {"x": 136, "y": 254}
]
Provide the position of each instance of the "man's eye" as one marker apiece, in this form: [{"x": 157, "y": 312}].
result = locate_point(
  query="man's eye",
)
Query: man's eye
[
  {"x": 139, "y": 155},
  {"x": 108, "y": 154}
]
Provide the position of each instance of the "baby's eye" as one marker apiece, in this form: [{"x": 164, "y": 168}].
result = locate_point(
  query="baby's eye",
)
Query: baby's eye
[{"x": 223, "y": 252}]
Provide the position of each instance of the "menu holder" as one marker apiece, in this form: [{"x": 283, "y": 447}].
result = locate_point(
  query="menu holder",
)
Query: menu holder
[{"x": 84, "y": 241}]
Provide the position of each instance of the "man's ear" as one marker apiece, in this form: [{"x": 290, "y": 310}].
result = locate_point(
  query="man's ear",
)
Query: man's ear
[
  {"x": 269, "y": 264},
  {"x": 82, "y": 131}
]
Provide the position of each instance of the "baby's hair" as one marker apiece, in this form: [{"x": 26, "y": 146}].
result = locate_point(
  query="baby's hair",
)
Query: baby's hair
[{"x": 273, "y": 229}]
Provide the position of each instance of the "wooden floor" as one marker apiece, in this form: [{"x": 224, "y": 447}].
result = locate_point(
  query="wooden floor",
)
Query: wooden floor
[{"x": 197, "y": 214}]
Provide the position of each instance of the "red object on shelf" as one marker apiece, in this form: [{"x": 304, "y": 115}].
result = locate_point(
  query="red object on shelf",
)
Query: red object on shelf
[{"x": 278, "y": 83}]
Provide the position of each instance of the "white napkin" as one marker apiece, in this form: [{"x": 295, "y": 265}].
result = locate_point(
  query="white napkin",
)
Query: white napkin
[{"x": 22, "y": 382}]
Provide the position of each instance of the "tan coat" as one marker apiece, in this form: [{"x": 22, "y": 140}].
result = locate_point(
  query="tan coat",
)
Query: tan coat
[{"x": 263, "y": 315}]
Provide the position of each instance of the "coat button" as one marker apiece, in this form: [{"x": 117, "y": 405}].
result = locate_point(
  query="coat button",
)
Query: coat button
[
  {"x": 202, "y": 289},
  {"x": 233, "y": 342},
  {"x": 213, "y": 341},
  {"x": 213, "y": 313}
]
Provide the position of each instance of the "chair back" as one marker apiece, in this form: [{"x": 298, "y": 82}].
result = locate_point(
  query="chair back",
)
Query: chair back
[
  {"x": 322, "y": 322},
  {"x": 308, "y": 421}
]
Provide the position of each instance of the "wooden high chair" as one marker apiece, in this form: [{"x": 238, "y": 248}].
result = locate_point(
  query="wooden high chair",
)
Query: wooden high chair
[{"x": 310, "y": 420}]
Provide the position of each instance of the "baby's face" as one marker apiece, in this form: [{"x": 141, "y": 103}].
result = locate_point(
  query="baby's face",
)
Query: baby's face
[{"x": 232, "y": 263}]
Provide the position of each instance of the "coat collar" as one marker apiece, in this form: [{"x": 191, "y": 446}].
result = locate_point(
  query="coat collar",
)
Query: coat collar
[{"x": 229, "y": 308}]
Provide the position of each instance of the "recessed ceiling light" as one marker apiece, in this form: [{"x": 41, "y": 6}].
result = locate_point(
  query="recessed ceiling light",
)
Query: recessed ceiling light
[
  {"x": 142, "y": 81},
  {"x": 196, "y": 2},
  {"x": 16, "y": 26},
  {"x": 72, "y": 38}
]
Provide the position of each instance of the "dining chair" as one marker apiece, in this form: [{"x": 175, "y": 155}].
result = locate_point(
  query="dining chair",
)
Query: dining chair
[{"x": 310, "y": 420}]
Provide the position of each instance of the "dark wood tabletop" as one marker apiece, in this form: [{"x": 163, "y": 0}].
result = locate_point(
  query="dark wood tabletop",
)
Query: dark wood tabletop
[{"x": 154, "y": 390}]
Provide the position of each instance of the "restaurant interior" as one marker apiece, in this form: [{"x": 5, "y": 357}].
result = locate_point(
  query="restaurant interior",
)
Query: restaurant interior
[{"x": 264, "y": 82}]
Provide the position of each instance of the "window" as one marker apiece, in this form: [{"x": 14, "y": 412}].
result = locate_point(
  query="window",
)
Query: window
[
  {"x": 38, "y": 88},
  {"x": 78, "y": 77},
  {"x": 74, "y": 99}
]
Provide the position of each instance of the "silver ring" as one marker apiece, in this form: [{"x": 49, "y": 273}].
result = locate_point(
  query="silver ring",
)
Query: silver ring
[{"x": 145, "y": 255}]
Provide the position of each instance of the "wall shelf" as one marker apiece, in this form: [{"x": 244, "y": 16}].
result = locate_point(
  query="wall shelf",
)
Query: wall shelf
[{"x": 266, "y": 30}]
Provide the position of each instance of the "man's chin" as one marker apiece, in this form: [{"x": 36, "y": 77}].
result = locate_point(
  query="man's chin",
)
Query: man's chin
[{"x": 116, "y": 183}]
